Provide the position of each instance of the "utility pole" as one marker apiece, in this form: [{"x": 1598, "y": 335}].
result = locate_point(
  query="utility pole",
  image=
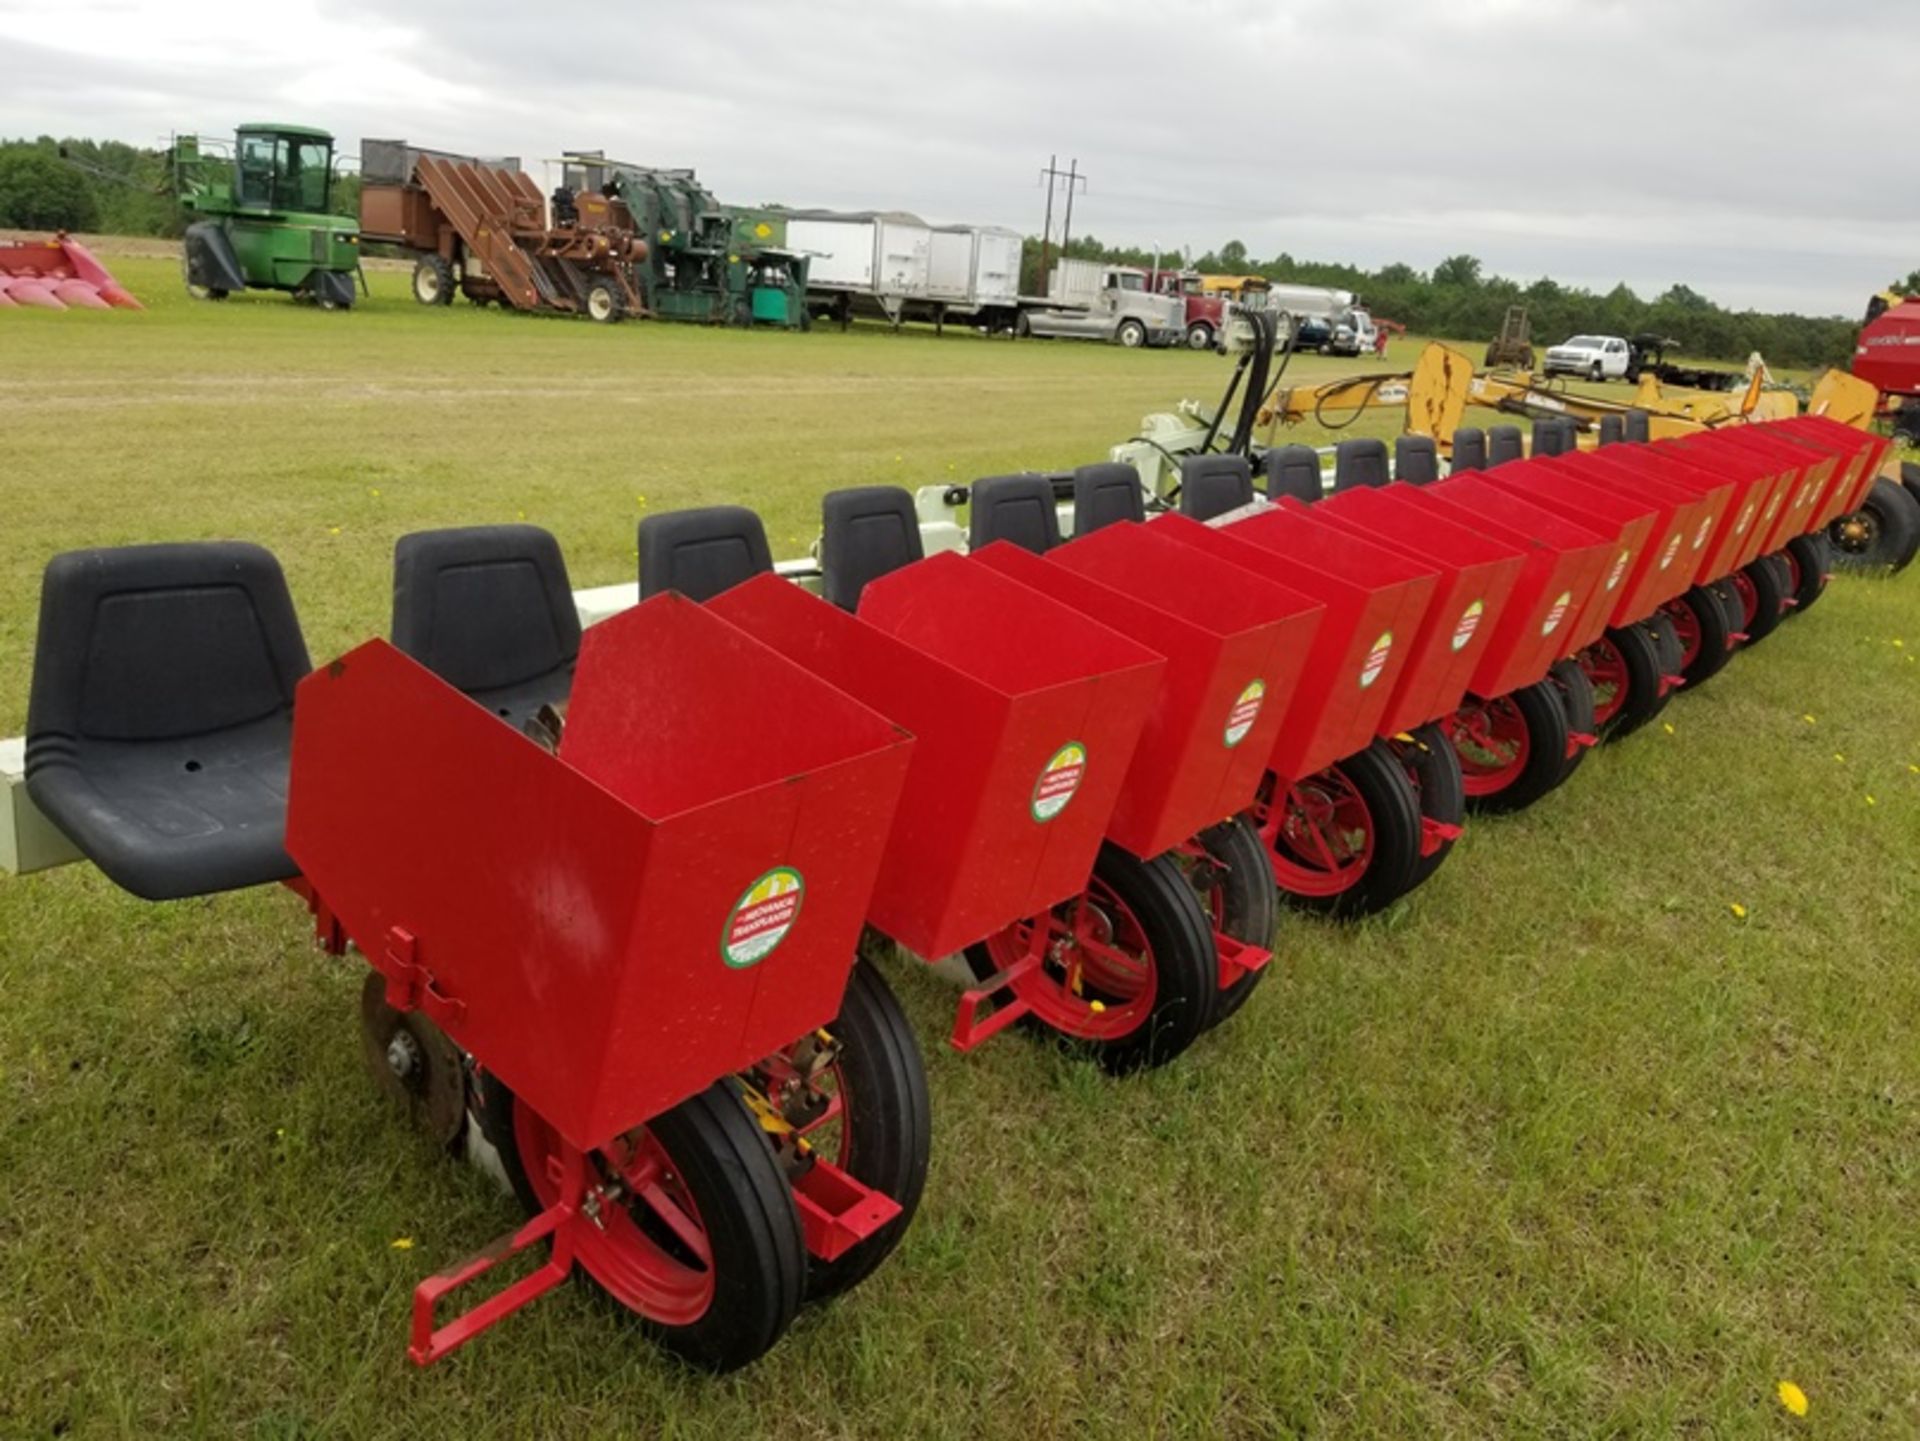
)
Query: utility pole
[
  {"x": 1046, "y": 234},
  {"x": 1051, "y": 177},
  {"x": 1074, "y": 177}
]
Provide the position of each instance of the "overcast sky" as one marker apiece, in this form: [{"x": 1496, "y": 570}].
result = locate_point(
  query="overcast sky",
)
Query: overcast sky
[{"x": 1744, "y": 147}]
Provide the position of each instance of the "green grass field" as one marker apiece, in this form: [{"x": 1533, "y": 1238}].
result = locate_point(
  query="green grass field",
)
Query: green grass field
[{"x": 1562, "y": 1146}]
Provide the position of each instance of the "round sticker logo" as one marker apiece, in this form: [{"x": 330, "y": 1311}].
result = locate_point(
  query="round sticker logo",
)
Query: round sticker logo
[
  {"x": 1246, "y": 710},
  {"x": 1468, "y": 623},
  {"x": 761, "y": 918},
  {"x": 1746, "y": 519},
  {"x": 1700, "y": 538},
  {"x": 1558, "y": 613},
  {"x": 1376, "y": 659},
  {"x": 1059, "y": 781},
  {"x": 1619, "y": 569},
  {"x": 1673, "y": 549}
]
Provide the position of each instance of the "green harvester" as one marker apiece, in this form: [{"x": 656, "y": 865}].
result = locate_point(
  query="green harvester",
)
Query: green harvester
[
  {"x": 706, "y": 262},
  {"x": 265, "y": 202}
]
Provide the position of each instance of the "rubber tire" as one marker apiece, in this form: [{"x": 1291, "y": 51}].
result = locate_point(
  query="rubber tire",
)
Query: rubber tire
[
  {"x": 1575, "y": 691},
  {"x": 1897, "y": 514},
  {"x": 1639, "y": 649},
  {"x": 1595, "y": 375},
  {"x": 1710, "y": 611},
  {"x": 1545, "y": 719},
  {"x": 745, "y": 1204},
  {"x": 1199, "y": 336},
  {"x": 1768, "y": 576},
  {"x": 616, "y": 307},
  {"x": 1910, "y": 478},
  {"x": 1394, "y": 810},
  {"x": 1023, "y": 326},
  {"x": 1249, "y": 901},
  {"x": 1814, "y": 559},
  {"x": 1433, "y": 768},
  {"x": 1134, "y": 329},
  {"x": 1186, "y": 966},
  {"x": 1666, "y": 641},
  {"x": 442, "y": 277},
  {"x": 887, "y": 1106}
]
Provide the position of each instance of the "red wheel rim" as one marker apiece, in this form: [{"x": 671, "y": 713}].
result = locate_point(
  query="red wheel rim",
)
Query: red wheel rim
[
  {"x": 1606, "y": 671},
  {"x": 1743, "y": 587},
  {"x": 1687, "y": 626},
  {"x": 650, "y": 1251},
  {"x": 1320, "y": 835},
  {"x": 1097, "y": 980},
  {"x": 1492, "y": 741}
]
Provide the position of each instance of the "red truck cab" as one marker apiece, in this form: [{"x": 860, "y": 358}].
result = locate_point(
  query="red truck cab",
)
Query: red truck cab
[{"x": 1206, "y": 311}]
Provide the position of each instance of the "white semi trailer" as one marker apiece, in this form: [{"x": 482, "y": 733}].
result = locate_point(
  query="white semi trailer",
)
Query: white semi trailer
[{"x": 872, "y": 262}]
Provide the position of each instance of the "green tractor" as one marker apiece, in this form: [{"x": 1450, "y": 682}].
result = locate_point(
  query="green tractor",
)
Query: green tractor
[{"x": 266, "y": 200}]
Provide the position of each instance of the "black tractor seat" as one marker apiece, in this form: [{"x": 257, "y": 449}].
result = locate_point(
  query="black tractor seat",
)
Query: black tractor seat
[
  {"x": 1106, "y": 493},
  {"x": 489, "y": 609},
  {"x": 1016, "y": 508},
  {"x": 866, "y": 531},
  {"x": 702, "y": 552},
  {"x": 1212, "y": 485},
  {"x": 160, "y": 723}
]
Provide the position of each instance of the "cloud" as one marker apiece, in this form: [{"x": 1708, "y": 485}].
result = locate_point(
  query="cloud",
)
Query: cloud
[{"x": 1734, "y": 145}]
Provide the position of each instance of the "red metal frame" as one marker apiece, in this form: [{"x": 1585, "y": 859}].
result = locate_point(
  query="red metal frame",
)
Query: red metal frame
[
  {"x": 1375, "y": 602},
  {"x": 1658, "y": 471},
  {"x": 1553, "y": 484},
  {"x": 1660, "y": 573},
  {"x": 995, "y": 681},
  {"x": 1812, "y": 477},
  {"x": 1223, "y": 634},
  {"x": 674, "y": 895},
  {"x": 1862, "y": 453},
  {"x": 1761, "y": 492},
  {"x": 1594, "y": 553},
  {"x": 1526, "y": 636},
  {"x": 1477, "y": 576}
]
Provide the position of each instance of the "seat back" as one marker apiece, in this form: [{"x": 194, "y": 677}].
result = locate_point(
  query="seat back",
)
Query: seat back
[
  {"x": 702, "y": 552},
  {"x": 1469, "y": 449},
  {"x": 1360, "y": 461},
  {"x": 865, "y": 532},
  {"x": 1549, "y": 436},
  {"x": 1504, "y": 444},
  {"x": 1212, "y": 485},
  {"x": 1639, "y": 427},
  {"x": 1018, "y": 508},
  {"x": 1416, "y": 459},
  {"x": 488, "y": 609},
  {"x": 159, "y": 720},
  {"x": 1104, "y": 494},
  {"x": 1613, "y": 429},
  {"x": 1293, "y": 470}
]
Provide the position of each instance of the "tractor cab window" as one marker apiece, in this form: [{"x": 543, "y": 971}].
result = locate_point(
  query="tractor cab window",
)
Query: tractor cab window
[
  {"x": 303, "y": 187},
  {"x": 256, "y": 170},
  {"x": 1130, "y": 280}
]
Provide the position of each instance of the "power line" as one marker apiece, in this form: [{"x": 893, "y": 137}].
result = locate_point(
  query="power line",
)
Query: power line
[{"x": 1051, "y": 177}]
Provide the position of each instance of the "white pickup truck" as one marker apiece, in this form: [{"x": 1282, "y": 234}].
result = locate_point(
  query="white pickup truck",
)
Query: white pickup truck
[{"x": 1591, "y": 357}]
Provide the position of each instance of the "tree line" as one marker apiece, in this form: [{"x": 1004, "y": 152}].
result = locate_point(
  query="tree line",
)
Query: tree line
[
  {"x": 104, "y": 187},
  {"x": 1458, "y": 299}
]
